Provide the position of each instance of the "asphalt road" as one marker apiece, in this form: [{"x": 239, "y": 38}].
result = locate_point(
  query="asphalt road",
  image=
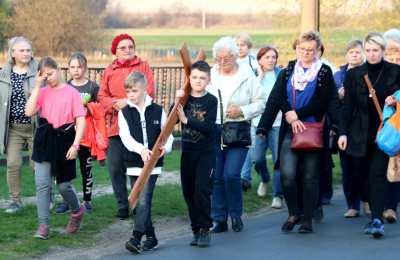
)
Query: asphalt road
[{"x": 334, "y": 238}]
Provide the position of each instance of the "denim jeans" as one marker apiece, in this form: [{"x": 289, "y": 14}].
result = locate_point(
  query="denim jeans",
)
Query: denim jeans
[
  {"x": 309, "y": 164},
  {"x": 143, "y": 223},
  {"x": 43, "y": 182},
  {"x": 227, "y": 190},
  {"x": 257, "y": 156}
]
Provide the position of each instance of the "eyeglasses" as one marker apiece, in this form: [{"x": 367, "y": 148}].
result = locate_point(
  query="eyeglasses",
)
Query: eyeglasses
[
  {"x": 224, "y": 59},
  {"x": 126, "y": 48},
  {"x": 304, "y": 50}
]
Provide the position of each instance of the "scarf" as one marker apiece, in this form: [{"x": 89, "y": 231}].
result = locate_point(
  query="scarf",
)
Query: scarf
[{"x": 301, "y": 78}]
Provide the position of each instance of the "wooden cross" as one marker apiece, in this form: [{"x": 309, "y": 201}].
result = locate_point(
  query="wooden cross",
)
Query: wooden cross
[{"x": 166, "y": 130}]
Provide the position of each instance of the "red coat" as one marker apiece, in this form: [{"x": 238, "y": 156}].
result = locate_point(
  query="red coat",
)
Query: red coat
[
  {"x": 95, "y": 136},
  {"x": 112, "y": 88}
]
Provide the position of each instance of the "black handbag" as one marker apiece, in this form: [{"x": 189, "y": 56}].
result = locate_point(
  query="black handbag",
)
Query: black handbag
[{"x": 234, "y": 134}]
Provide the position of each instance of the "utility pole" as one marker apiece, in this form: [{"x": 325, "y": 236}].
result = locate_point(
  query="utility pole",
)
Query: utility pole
[
  {"x": 310, "y": 15},
  {"x": 203, "y": 15}
]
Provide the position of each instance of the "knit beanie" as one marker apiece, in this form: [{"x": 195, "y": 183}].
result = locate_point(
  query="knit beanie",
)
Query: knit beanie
[{"x": 119, "y": 38}]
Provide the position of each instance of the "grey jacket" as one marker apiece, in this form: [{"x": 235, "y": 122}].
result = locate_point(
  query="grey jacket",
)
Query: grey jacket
[{"x": 5, "y": 98}]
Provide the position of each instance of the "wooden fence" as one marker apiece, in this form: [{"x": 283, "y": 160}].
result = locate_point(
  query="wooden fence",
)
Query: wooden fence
[{"x": 167, "y": 79}]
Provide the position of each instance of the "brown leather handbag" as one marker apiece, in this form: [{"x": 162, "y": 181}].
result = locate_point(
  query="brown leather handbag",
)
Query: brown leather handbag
[{"x": 311, "y": 138}]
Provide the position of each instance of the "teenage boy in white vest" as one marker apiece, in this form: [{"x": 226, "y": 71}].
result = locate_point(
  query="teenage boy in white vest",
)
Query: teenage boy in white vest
[{"x": 140, "y": 124}]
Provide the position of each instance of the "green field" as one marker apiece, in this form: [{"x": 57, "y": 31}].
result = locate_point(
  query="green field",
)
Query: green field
[{"x": 151, "y": 42}]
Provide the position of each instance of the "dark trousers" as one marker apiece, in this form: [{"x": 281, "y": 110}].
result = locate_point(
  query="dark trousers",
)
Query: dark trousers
[
  {"x": 393, "y": 196},
  {"x": 307, "y": 164},
  {"x": 197, "y": 170},
  {"x": 354, "y": 180},
  {"x": 376, "y": 163},
  {"x": 142, "y": 219},
  {"x": 325, "y": 177},
  {"x": 117, "y": 171},
  {"x": 85, "y": 161}
]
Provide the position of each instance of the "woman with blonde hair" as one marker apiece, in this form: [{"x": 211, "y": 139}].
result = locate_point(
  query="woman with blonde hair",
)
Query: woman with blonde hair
[{"x": 361, "y": 120}]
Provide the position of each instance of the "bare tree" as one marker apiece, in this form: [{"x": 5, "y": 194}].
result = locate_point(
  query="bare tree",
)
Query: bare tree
[
  {"x": 57, "y": 26},
  {"x": 5, "y": 12}
]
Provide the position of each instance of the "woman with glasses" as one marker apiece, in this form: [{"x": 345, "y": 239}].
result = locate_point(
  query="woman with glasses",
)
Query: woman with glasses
[
  {"x": 312, "y": 83},
  {"x": 113, "y": 97},
  {"x": 17, "y": 80},
  {"x": 240, "y": 99}
]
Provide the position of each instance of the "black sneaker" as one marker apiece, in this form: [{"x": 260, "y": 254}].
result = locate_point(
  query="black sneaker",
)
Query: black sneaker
[
  {"x": 237, "y": 224},
  {"x": 150, "y": 243},
  {"x": 195, "y": 238},
  {"x": 133, "y": 245},
  {"x": 122, "y": 214},
  {"x": 246, "y": 185},
  {"x": 220, "y": 227},
  {"x": 204, "y": 238},
  {"x": 306, "y": 227}
]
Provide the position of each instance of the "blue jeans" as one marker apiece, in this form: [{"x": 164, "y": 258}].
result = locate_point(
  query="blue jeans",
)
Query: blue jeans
[
  {"x": 256, "y": 156},
  {"x": 143, "y": 222},
  {"x": 227, "y": 189}
]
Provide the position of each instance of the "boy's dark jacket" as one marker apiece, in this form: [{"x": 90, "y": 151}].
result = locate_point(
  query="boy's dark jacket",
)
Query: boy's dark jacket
[{"x": 153, "y": 114}]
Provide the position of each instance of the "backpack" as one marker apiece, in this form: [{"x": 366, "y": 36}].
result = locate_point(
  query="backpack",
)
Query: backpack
[{"x": 388, "y": 137}]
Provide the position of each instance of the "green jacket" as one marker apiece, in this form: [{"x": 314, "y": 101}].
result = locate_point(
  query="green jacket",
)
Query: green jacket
[{"x": 5, "y": 98}]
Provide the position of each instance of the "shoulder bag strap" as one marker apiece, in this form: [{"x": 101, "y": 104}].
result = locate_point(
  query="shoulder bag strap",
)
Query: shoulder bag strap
[
  {"x": 372, "y": 94},
  {"x": 221, "y": 113}
]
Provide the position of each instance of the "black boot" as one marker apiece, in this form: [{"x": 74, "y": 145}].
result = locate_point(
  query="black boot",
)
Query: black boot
[
  {"x": 237, "y": 224},
  {"x": 196, "y": 235},
  {"x": 151, "y": 241},
  {"x": 122, "y": 214},
  {"x": 204, "y": 238},
  {"x": 306, "y": 227},
  {"x": 133, "y": 244}
]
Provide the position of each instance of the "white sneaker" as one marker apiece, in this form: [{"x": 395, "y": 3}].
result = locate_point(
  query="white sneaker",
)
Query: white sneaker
[
  {"x": 262, "y": 189},
  {"x": 276, "y": 203}
]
